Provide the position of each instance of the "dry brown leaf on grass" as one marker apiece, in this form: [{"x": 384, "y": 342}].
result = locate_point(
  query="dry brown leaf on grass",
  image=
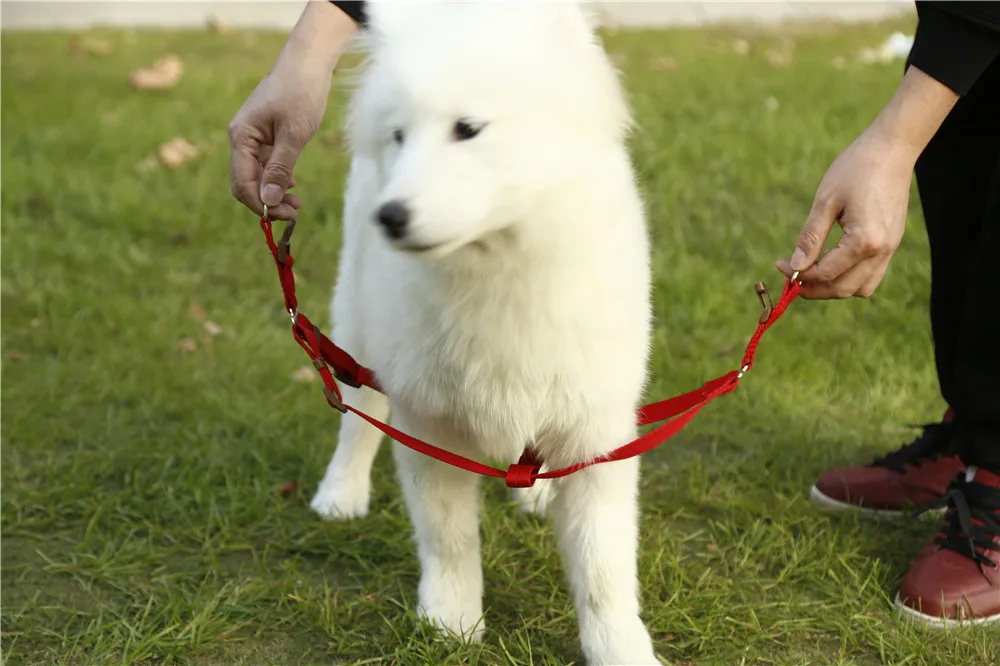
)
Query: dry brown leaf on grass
[
  {"x": 741, "y": 47},
  {"x": 212, "y": 328},
  {"x": 147, "y": 164},
  {"x": 195, "y": 311},
  {"x": 306, "y": 374},
  {"x": 782, "y": 55},
  {"x": 16, "y": 355},
  {"x": 287, "y": 488},
  {"x": 176, "y": 152},
  {"x": 187, "y": 345},
  {"x": 82, "y": 46},
  {"x": 664, "y": 64},
  {"x": 162, "y": 74}
]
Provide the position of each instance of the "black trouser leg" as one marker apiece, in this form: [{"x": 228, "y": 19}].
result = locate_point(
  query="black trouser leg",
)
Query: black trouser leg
[{"x": 958, "y": 176}]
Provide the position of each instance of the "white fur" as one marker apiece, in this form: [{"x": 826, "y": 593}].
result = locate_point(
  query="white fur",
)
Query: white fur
[{"x": 527, "y": 322}]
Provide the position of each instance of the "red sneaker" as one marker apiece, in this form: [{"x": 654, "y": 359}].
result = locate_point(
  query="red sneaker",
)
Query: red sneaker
[
  {"x": 956, "y": 577},
  {"x": 910, "y": 478}
]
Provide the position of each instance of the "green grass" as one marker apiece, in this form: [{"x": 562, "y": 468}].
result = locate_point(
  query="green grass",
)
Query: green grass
[{"x": 142, "y": 521}]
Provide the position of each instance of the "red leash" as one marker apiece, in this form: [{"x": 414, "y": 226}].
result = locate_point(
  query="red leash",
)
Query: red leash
[{"x": 333, "y": 363}]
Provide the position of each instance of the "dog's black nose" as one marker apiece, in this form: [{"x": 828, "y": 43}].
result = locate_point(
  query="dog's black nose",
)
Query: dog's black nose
[{"x": 394, "y": 217}]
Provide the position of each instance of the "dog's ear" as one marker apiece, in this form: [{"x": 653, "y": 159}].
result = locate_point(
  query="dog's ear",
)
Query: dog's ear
[
  {"x": 387, "y": 17},
  {"x": 574, "y": 21}
]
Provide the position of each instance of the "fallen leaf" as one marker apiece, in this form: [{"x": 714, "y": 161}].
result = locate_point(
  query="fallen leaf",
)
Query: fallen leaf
[
  {"x": 36, "y": 203},
  {"x": 148, "y": 164},
  {"x": 779, "y": 59},
  {"x": 196, "y": 311},
  {"x": 161, "y": 75},
  {"x": 669, "y": 637},
  {"x": 782, "y": 55},
  {"x": 16, "y": 355},
  {"x": 187, "y": 345},
  {"x": 212, "y": 328},
  {"x": 96, "y": 46},
  {"x": 306, "y": 374},
  {"x": 176, "y": 152},
  {"x": 81, "y": 46},
  {"x": 287, "y": 488},
  {"x": 664, "y": 64},
  {"x": 741, "y": 47},
  {"x": 712, "y": 547},
  {"x": 180, "y": 238}
]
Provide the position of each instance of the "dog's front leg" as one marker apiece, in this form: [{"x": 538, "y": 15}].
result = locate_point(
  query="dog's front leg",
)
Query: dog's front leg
[
  {"x": 345, "y": 489},
  {"x": 595, "y": 514},
  {"x": 443, "y": 504}
]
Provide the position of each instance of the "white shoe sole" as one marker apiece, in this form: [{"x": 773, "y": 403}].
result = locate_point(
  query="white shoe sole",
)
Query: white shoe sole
[
  {"x": 941, "y": 622},
  {"x": 828, "y": 503}
]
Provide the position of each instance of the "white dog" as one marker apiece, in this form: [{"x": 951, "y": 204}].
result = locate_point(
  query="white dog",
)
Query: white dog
[{"x": 495, "y": 276}]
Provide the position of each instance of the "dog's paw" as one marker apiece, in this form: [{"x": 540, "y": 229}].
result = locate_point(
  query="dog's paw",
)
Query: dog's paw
[
  {"x": 618, "y": 641},
  {"x": 341, "y": 500},
  {"x": 467, "y": 627},
  {"x": 534, "y": 500}
]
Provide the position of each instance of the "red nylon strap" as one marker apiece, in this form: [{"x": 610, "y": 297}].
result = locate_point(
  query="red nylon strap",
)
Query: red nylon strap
[{"x": 523, "y": 474}]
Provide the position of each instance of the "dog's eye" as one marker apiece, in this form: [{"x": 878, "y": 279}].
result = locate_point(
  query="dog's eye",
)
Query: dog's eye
[
  {"x": 397, "y": 135},
  {"x": 465, "y": 130}
]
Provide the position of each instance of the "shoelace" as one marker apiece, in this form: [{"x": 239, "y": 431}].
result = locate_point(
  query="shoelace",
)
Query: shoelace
[
  {"x": 973, "y": 521},
  {"x": 932, "y": 443}
]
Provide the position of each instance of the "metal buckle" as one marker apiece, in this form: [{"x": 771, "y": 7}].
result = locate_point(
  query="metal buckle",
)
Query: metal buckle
[
  {"x": 334, "y": 401},
  {"x": 266, "y": 217},
  {"x": 284, "y": 244},
  {"x": 765, "y": 301}
]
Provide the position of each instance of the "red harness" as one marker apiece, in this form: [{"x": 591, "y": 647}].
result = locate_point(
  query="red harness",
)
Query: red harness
[{"x": 333, "y": 363}]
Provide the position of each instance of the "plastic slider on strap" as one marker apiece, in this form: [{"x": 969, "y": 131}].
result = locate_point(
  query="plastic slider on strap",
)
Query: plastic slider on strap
[
  {"x": 344, "y": 378},
  {"x": 522, "y": 474}
]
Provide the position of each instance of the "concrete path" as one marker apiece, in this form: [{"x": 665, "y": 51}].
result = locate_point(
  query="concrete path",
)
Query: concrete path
[{"x": 281, "y": 15}]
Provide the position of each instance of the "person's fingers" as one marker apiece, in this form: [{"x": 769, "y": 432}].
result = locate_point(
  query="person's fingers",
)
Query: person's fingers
[
  {"x": 278, "y": 168},
  {"x": 875, "y": 279},
  {"x": 244, "y": 169},
  {"x": 825, "y": 211},
  {"x": 859, "y": 243},
  {"x": 850, "y": 283}
]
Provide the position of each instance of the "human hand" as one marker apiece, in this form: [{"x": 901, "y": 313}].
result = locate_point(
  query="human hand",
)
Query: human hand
[
  {"x": 268, "y": 133},
  {"x": 867, "y": 190}
]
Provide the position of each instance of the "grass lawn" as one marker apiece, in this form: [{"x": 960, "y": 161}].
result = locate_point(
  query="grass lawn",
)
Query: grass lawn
[{"x": 152, "y": 412}]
